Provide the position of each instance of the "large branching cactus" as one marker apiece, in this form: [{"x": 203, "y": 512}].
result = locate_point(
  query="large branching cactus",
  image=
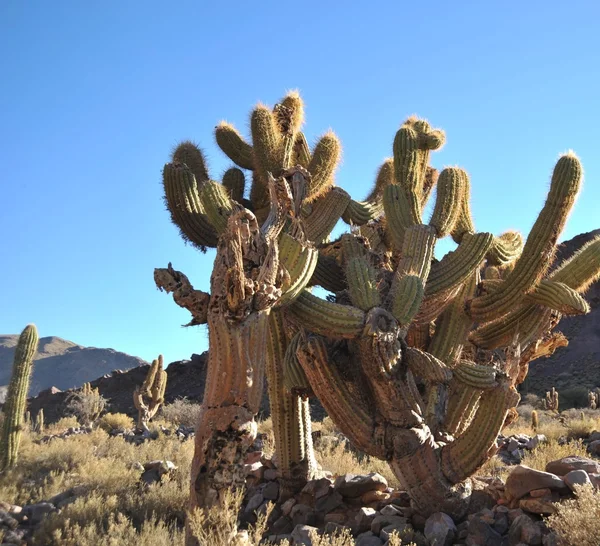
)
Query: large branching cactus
[
  {"x": 16, "y": 398},
  {"x": 416, "y": 359}
]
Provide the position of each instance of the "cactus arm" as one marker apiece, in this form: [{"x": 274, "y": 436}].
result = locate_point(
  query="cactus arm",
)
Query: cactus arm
[
  {"x": 324, "y": 161},
  {"x": 582, "y": 269},
  {"x": 183, "y": 203},
  {"x": 385, "y": 177},
  {"x": 16, "y": 397},
  {"x": 234, "y": 146},
  {"x": 184, "y": 294},
  {"x": 431, "y": 179},
  {"x": 235, "y": 183},
  {"x": 217, "y": 204},
  {"x": 539, "y": 248},
  {"x": 301, "y": 151},
  {"x": 189, "y": 154},
  {"x": 407, "y": 296},
  {"x": 362, "y": 284},
  {"x": 300, "y": 261},
  {"x": 358, "y": 213},
  {"x": 558, "y": 296},
  {"x": 463, "y": 457},
  {"x": 321, "y": 216},
  {"x": 506, "y": 249},
  {"x": 328, "y": 274},
  {"x": 451, "y": 194},
  {"x": 340, "y": 402},
  {"x": 398, "y": 214},
  {"x": 326, "y": 318}
]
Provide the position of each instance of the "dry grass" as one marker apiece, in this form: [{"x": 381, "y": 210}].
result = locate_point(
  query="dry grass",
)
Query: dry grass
[
  {"x": 577, "y": 521},
  {"x": 181, "y": 412},
  {"x": 544, "y": 453}
]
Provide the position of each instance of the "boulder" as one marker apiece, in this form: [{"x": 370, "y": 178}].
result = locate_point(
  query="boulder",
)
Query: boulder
[
  {"x": 352, "y": 485},
  {"x": 563, "y": 466},
  {"x": 440, "y": 529},
  {"x": 523, "y": 479}
]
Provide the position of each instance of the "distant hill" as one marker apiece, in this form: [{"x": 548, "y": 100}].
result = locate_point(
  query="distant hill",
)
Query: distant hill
[{"x": 63, "y": 364}]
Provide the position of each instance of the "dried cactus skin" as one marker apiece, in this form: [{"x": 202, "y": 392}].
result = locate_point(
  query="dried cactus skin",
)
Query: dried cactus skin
[{"x": 16, "y": 398}]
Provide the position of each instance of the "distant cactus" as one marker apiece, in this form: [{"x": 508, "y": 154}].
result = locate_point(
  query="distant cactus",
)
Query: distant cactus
[
  {"x": 551, "y": 400},
  {"x": 592, "y": 400},
  {"x": 16, "y": 399},
  {"x": 535, "y": 423},
  {"x": 148, "y": 398},
  {"x": 39, "y": 422}
]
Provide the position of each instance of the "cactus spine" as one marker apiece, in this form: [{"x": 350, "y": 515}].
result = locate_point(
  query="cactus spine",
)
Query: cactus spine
[
  {"x": 16, "y": 399},
  {"x": 151, "y": 394}
]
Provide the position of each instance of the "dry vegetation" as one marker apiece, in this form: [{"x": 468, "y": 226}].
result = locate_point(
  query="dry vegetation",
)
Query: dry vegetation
[{"x": 114, "y": 507}]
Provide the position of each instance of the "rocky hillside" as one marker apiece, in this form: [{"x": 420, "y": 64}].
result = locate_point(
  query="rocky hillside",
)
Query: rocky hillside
[
  {"x": 577, "y": 365},
  {"x": 63, "y": 364}
]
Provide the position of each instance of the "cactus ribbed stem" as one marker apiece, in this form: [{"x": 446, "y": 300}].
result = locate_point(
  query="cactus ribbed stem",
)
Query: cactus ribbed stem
[
  {"x": 234, "y": 146},
  {"x": 324, "y": 161},
  {"x": 16, "y": 397}
]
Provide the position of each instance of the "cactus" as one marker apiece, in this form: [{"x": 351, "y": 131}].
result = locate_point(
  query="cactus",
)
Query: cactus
[
  {"x": 16, "y": 398},
  {"x": 148, "y": 397},
  {"x": 535, "y": 423},
  {"x": 415, "y": 359},
  {"x": 592, "y": 400},
  {"x": 39, "y": 422},
  {"x": 551, "y": 400},
  {"x": 87, "y": 404}
]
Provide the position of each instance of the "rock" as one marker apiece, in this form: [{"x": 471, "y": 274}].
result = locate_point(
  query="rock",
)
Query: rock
[
  {"x": 440, "y": 529},
  {"x": 301, "y": 534},
  {"x": 282, "y": 526},
  {"x": 403, "y": 530},
  {"x": 594, "y": 447},
  {"x": 595, "y": 435},
  {"x": 329, "y": 503},
  {"x": 374, "y": 496},
  {"x": 270, "y": 474},
  {"x": 542, "y": 506},
  {"x": 501, "y": 524},
  {"x": 563, "y": 466},
  {"x": 514, "y": 514},
  {"x": 300, "y": 513},
  {"x": 379, "y": 522},
  {"x": 287, "y": 506},
  {"x": 351, "y": 485},
  {"x": 537, "y": 493},
  {"x": 391, "y": 510},
  {"x": 35, "y": 513},
  {"x": 68, "y": 496},
  {"x": 332, "y": 528},
  {"x": 368, "y": 539},
  {"x": 364, "y": 519},
  {"x": 523, "y": 479},
  {"x": 253, "y": 457},
  {"x": 577, "y": 477},
  {"x": 340, "y": 518},
  {"x": 482, "y": 534},
  {"x": 317, "y": 488},
  {"x": 524, "y": 530},
  {"x": 536, "y": 441},
  {"x": 256, "y": 470},
  {"x": 512, "y": 445},
  {"x": 7, "y": 521},
  {"x": 271, "y": 491},
  {"x": 254, "y": 502}
]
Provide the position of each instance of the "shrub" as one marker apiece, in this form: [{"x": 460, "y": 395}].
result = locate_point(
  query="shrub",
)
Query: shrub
[
  {"x": 577, "y": 521},
  {"x": 86, "y": 404},
  {"x": 115, "y": 421},
  {"x": 182, "y": 412}
]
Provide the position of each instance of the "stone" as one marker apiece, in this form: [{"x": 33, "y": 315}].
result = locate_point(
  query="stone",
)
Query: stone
[
  {"x": 594, "y": 447},
  {"x": 374, "y": 496},
  {"x": 282, "y": 526},
  {"x": 364, "y": 519},
  {"x": 35, "y": 513},
  {"x": 440, "y": 529},
  {"x": 536, "y": 493},
  {"x": 317, "y": 488},
  {"x": 301, "y": 534},
  {"x": 299, "y": 514},
  {"x": 254, "y": 502},
  {"x": 329, "y": 503},
  {"x": 524, "y": 530},
  {"x": 563, "y": 466},
  {"x": 523, "y": 479},
  {"x": 339, "y": 518},
  {"x": 542, "y": 506},
  {"x": 536, "y": 441},
  {"x": 270, "y": 474},
  {"x": 271, "y": 491},
  {"x": 253, "y": 457},
  {"x": 391, "y": 510},
  {"x": 379, "y": 522},
  {"x": 6, "y": 520},
  {"x": 514, "y": 514},
  {"x": 482, "y": 534},
  {"x": 368, "y": 539},
  {"x": 512, "y": 445},
  {"x": 595, "y": 435},
  {"x": 287, "y": 506},
  {"x": 332, "y": 528},
  {"x": 577, "y": 477},
  {"x": 501, "y": 524},
  {"x": 352, "y": 485},
  {"x": 404, "y": 530}
]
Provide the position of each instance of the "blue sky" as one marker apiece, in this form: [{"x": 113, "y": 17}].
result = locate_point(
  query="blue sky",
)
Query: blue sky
[{"x": 95, "y": 94}]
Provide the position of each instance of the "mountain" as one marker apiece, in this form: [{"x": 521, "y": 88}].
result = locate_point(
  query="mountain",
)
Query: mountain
[
  {"x": 578, "y": 364},
  {"x": 63, "y": 364}
]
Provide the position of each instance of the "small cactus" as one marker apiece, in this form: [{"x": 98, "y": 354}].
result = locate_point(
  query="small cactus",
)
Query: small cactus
[
  {"x": 592, "y": 400},
  {"x": 16, "y": 399},
  {"x": 39, "y": 422},
  {"x": 148, "y": 398},
  {"x": 551, "y": 400},
  {"x": 535, "y": 423}
]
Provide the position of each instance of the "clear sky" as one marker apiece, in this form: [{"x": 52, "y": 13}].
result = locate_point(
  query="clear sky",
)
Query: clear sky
[{"x": 95, "y": 94}]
